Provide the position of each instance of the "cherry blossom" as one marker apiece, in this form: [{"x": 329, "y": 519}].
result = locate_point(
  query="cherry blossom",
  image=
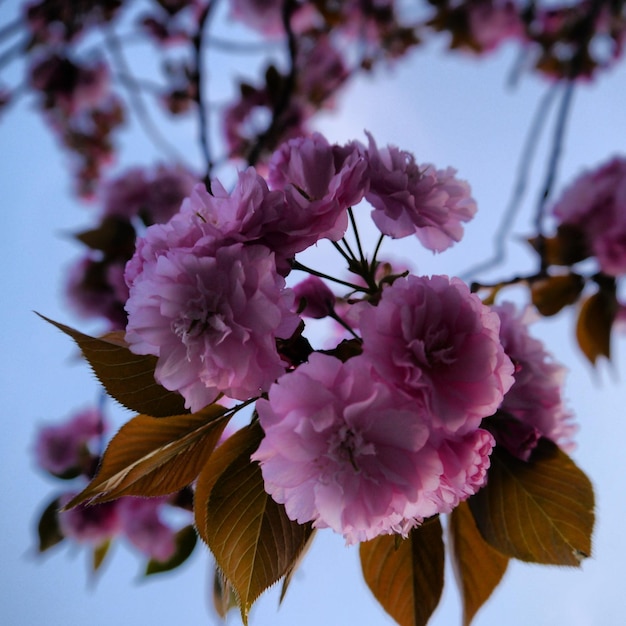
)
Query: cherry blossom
[
  {"x": 535, "y": 399},
  {"x": 437, "y": 342},
  {"x": 411, "y": 199},
  {"x": 211, "y": 314}
]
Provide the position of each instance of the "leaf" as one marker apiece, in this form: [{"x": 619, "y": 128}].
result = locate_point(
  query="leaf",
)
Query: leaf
[
  {"x": 250, "y": 535},
  {"x": 539, "y": 511},
  {"x": 48, "y": 527},
  {"x": 593, "y": 328},
  {"x": 152, "y": 456},
  {"x": 406, "y": 575},
  {"x": 477, "y": 566},
  {"x": 224, "y": 597},
  {"x": 127, "y": 377},
  {"x": 99, "y": 554},
  {"x": 553, "y": 293},
  {"x": 294, "y": 567},
  {"x": 567, "y": 247},
  {"x": 186, "y": 539}
]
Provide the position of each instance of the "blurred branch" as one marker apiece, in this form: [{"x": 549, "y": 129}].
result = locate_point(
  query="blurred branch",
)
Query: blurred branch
[
  {"x": 12, "y": 52},
  {"x": 514, "y": 204},
  {"x": 134, "y": 97},
  {"x": 288, "y": 88},
  {"x": 252, "y": 47},
  {"x": 198, "y": 78},
  {"x": 555, "y": 155},
  {"x": 11, "y": 28}
]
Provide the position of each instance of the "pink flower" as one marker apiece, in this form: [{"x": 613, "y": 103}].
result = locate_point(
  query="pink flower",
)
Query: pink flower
[
  {"x": 535, "y": 397},
  {"x": 63, "y": 448},
  {"x": 410, "y": 199},
  {"x": 437, "y": 342},
  {"x": 140, "y": 522},
  {"x": 264, "y": 16},
  {"x": 321, "y": 182},
  {"x": 93, "y": 524},
  {"x": 465, "y": 462},
  {"x": 342, "y": 449},
  {"x": 346, "y": 451},
  {"x": 211, "y": 314},
  {"x": 491, "y": 22},
  {"x": 315, "y": 297},
  {"x": 596, "y": 204}
]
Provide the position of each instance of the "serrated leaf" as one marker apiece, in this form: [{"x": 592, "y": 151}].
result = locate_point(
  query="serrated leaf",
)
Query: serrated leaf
[
  {"x": 406, "y": 575},
  {"x": 478, "y": 567},
  {"x": 127, "y": 377},
  {"x": 99, "y": 554},
  {"x": 296, "y": 564},
  {"x": 185, "y": 540},
  {"x": 48, "y": 529},
  {"x": 152, "y": 456},
  {"x": 224, "y": 597},
  {"x": 551, "y": 294},
  {"x": 539, "y": 511},
  {"x": 252, "y": 539},
  {"x": 593, "y": 328}
]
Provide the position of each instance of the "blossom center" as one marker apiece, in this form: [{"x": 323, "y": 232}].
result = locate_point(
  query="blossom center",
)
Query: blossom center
[{"x": 346, "y": 445}]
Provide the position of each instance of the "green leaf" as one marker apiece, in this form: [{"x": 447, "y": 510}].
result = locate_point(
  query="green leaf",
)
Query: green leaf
[
  {"x": 593, "y": 328},
  {"x": 406, "y": 575},
  {"x": 152, "y": 456},
  {"x": 99, "y": 554},
  {"x": 539, "y": 511},
  {"x": 478, "y": 567},
  {"x": 253, "y": 541},
  {"x": 127, "y": 377},
  {"x": 551, "y": 294},
  {"x": 186, "y": 539},
  {"x": 48, "y": 529}
]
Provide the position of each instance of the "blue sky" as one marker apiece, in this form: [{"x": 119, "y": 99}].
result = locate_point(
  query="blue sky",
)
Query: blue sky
[{"x": 449, "y": 110}]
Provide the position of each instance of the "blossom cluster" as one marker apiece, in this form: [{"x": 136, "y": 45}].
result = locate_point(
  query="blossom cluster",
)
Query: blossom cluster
[
  {"x": 71, "y": 451},
  {"x": 385, "y": 428},
  {"x": 594, "y": 207}
]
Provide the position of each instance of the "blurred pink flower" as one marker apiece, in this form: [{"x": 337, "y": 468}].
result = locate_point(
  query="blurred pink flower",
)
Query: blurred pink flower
[
  {"x": 211, "y": 314},
  {"x": 61, "y": 448},
  {"x": 93, "y": 524},
  {"x": 492, "y": 22},
  {"x": 535, "y": 397},
  {"x": 141, "y": 523},
  {"x": 437, "y": 342},
  {"x": 596, "y": 204},
  {"x": 410, "y": 199}
]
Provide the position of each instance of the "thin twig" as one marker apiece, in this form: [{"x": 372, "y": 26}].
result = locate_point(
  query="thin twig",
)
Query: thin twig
[
  {"x": 523, "y": 171},
  {"x": 12, "y": 52},
  {"x": 296, "y": 265},
  {"x": 282, "y": 103},
  {"x": 555, "y": 156},
  {"x": 134, "y": 95},
  {"x": 198, "y": 77}
]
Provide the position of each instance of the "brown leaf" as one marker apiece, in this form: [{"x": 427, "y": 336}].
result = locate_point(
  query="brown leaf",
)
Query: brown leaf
[
  {"x": 224, "y": 597},
  {"x": 539, "y": 511},
  {"x": 406, "y": 575},
  {"x": 593, "y": 328},
  {"x": 152, "y": 456},
  {"x": 250, "y": 535},
  {"x": 99, "y": 554},
  {"x": 127, "y": 377},
  {"x": 553, "y": 293},
  {"x": 477, "y": 566}
]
